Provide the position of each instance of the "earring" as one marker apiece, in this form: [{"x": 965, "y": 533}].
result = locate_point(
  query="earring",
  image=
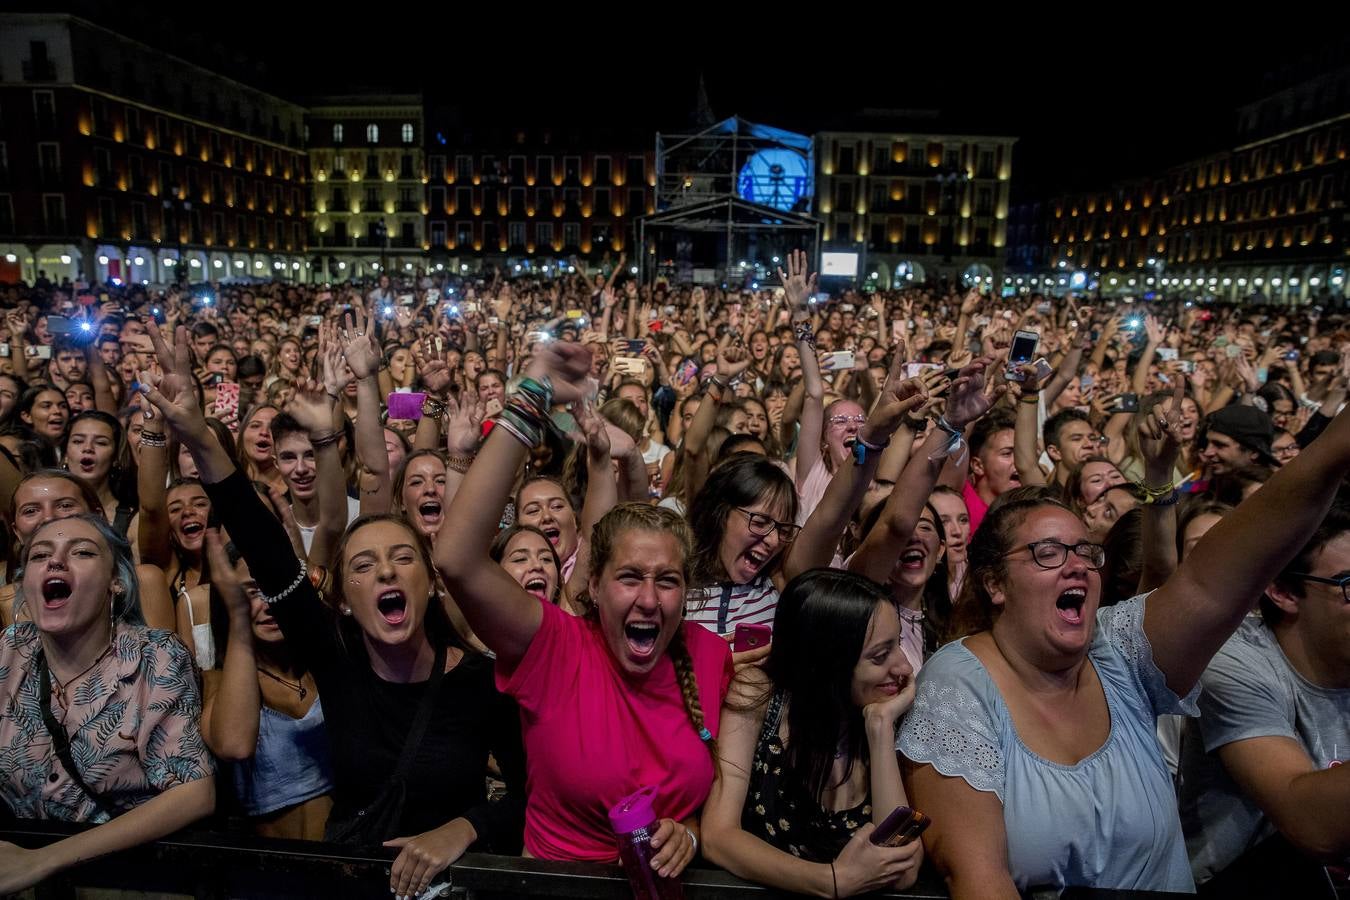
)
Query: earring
[{"x": 345, "y": 609}]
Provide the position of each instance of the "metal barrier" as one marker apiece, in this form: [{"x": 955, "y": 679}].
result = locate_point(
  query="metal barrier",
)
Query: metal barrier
[{"x": 212, "y": 866}]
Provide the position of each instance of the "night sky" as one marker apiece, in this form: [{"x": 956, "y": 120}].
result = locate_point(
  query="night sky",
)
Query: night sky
[{"x": 1089, "y": 100}]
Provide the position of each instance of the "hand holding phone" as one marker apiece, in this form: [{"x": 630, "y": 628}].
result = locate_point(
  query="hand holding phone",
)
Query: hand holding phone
[
  {"x": 749, "y": 637},
  {"x": 901, "y": 827}
]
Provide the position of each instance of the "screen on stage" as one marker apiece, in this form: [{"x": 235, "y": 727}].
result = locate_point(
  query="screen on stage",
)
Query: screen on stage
[{"x": 843, "y": 265}]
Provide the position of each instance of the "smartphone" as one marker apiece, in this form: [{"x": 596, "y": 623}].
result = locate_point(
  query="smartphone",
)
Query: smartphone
[
  {"x": 39, "y": 351},
  {"x": 407, "y": 405},
  {"x": 634, "y": 346},
  {"x": 4, "y": 350},
  {"x": 316, "y": 320},
  {"x": 226, "y": 406},
  {"x": 1188, "y": 366},
  {"x": 212, "y": 379},
  {"x": 1023, "y": 346},
  {"x": 406, "y": 300},
  {"x": 1233, "y": 350},
  {"x": 1043, "y": 369},
  {"x": 630, "y": 365},
  {"x": 1044, "y": 308},
  {"x": 576, "y": 314},
  {"x": 1167, "y": 354},
  {"x": 540, "y": 337},
  {"x": 751, "y": 637},
  {"x": 838, "y": 361},
  {"x": 897, "y": 329},
  {"x": 893, "y": 827},
  {"x": 687, "y": 371},
  {"x": 914, "y": 370},
  {"x": 1291, "y": 356},
  {"x": 58, "y": 325},
  {"x": 1124, "y": 403}
]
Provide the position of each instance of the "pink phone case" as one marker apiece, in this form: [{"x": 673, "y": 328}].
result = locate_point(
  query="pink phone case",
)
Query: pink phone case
[
  {"x": 226, "y": 407},
  {"x": 406, "y": 405}
]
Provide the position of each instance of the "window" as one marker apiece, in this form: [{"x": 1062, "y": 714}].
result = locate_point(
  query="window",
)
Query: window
[
  {"x": 517, "y": 199},
  {"x": 406, "y": 132},
  {"x": 544, "y": 201},
  {"x": 437, "y": 203},
  {"x": 844, "y": 196},
  {"x": 489, "y": 168},
  {"x": 636, "y": 170},
  {"x": 438, "y": 234},
  {"x": 340, "y": 236},
  {"x": 516, "y": 234},
  {"x": 463, "y": 233},
  {"x": 372, "y": 133},
  {"x": 406, "y": 201},
  {"x": 602, "y": 201},
  {"x": 571, "y": 234},
  {"x": 952, "y": 159},
  {"x": 49, "y": 163},
  {"x": 217, "y": 228},
  {"x": 134, "y": 126},
  {"x": 636, "y": 202},
  {"x": 571, "y": 168},
  {"x": 215, "y": 146},
  {"x": 405, "y": 166},
  {"x": 544, "y": 234},
  {"x": 162, "y": 133},
  {"x": 4, "y": 163},
  {"x": 490, "y": 236},
  {"x": 544, "y": 170},
  {"x": 571, "y": 201},
  {"x": 6, "y": 214},
  {"x": 463, "y": 167},
  {"x": 107, "y": 217},
  {"x": 437, "y": 168},
  {"x": 372, "y": 166},
  {"x": 339, "y": 166},
  {"x": 138, "y": 174},
  {"x": 515, "y": 167},
  {"x": 337, "y": 134},
  {"x": 603, "y": 171},
  {"x": 44, "y": 108},
  {"x": 407, "y": 234},
  {"x": 847, "y": 165},
  {"x": 372, "y": 201}
]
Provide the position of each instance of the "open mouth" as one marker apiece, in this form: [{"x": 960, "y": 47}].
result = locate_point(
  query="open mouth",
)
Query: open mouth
[
  {"x": 87, "y": 465},
  {"x": 192, "y": 528},
  {"x": 553, "y": 533},
  {"x": 756, "y": 557},
  {"x": 538, "y": 586},
  {"x": 1069, "y": 605},
  {"x": 302, "y": 481},
  {"x": 393, "y": 607},
  {"x": 642, "y": 637},
  {"x": 264, "y": 447},
  {"x": 430, "y": 510},
  {"x": 55, "y": 592},
  {"x": 913, "y": 559}
]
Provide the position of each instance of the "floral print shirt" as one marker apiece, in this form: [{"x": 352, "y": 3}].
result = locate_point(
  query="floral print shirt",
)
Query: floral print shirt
[{"x": 133, "y": 721}]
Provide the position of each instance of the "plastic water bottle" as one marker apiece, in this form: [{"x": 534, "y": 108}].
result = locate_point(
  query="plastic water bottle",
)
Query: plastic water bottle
[{"x": 635, "y": 821}]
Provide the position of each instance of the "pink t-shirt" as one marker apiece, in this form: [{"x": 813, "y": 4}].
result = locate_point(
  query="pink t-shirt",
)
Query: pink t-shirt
[
  {"x": 593, "y": 736},
  {"x": 974, "y": 505},
  {"x": 812, "y": 489}
]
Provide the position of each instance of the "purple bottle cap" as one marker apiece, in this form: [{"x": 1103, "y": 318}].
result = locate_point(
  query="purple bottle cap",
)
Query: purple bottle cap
[{"x": 634, "y": 811}]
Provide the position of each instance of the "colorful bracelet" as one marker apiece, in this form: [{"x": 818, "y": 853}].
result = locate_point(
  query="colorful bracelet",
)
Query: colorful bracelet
[
  {"x": 459, "y": 463},
  {"x": 804, "y": 334}
]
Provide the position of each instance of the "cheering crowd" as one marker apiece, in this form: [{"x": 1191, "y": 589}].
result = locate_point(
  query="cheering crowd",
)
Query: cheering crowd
[{"x": 451, "y": 564}]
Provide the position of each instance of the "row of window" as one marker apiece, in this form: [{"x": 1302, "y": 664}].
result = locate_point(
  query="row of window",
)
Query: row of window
[
  {"x": 488, "y": 234},
  {"x": 374, "y": 165},
  {"x": 852, "y": 159},
  {"x": 1199, "y": 244},
  {"x": 912, "y": 197},
  {"x": 406, "y": 133},
  {"x": 515, "y": 169}
]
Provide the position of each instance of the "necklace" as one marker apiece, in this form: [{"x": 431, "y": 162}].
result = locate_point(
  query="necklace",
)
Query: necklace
[
  {"x": 60, "y": 684},
  {"x": 296, "y": 686}
]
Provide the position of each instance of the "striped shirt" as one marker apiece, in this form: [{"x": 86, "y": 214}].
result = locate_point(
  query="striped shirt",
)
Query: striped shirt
[{"x": 721, "y": 607}]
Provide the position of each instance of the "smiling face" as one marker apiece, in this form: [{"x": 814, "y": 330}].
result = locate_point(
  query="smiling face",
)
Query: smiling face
[
  {"x": 68, "y": 578},
  {"x": 89, "y": 450},
  {"x": 639, "y": 596},
  {"x": 529, "y": 559},
  {"x": 188, "y": 509},
  {"x": 40, "y": 500},
  {"x": 385, "y": 582},
  {"x": 1048, "y": 613},
  {"x": 289, "y": 356},
  {"x": 744, "y": 554},
  {"x": 544, "y": 505},
  {"x": 424, "y": 493},
  {"x": 919, "y": 557},
  {"x": 842, "y": 421},
  {"x": 1223, "y": 454},
  {"x": 882, "y": 669}
]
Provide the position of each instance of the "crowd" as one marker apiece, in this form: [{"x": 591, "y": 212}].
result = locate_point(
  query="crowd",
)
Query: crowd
[{"x": 444, "y": 564}]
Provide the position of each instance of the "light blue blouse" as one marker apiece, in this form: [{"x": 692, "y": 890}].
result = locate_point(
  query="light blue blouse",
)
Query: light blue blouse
[{"x": 1111, "y": 820}]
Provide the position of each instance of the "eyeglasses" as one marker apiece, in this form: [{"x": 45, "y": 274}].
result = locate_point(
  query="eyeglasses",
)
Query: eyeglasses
[
  {"x": 1343, "y": 582},
  {"x": 1284, "y": 451},
  {"x": 760, "y": 526},
  {"x": 1051, "y": 554},
  {"x": 845, "y": 420}
]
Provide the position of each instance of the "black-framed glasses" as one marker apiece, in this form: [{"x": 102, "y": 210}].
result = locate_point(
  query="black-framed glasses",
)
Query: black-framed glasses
[
  {"x": 1051, "y": 554},
  {"x": 1343, "y": 582},
  {"x": 760, "y": 526}
]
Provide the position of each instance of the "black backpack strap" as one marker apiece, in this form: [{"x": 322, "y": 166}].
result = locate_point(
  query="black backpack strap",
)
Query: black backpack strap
[
  {"x": 61, "y": 740},
  {"x": 424, "y": 710}
]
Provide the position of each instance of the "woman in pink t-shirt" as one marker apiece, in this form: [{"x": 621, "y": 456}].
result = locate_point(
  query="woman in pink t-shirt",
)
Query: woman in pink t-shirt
[{"x": 611, "y": 701}]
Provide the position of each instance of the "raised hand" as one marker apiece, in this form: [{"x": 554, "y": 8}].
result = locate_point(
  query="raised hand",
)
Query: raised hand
[
  {"x": 568, "y": 366},
  {"x": 732, "y": 360},
  {"x": 798, "y": 285},
  {"x": 899, "y": 395},
  {"x": 173, "y": 395},
  {"x": 592, "y": 427},
  {"x": 967, "y": 399},
  {"x": 431, "y": 368},
  {"x": 463, "y": 424},
  {"x": 311, "y": 406},
  {"x": 1159, "y": 439},
  {"x": 1153, "y": 330},
  {"x": 358, "y": 346}
]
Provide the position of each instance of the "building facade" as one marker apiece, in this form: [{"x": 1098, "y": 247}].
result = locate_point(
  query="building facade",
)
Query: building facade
[
  {"x": 915, "y": 205},
  {"x": 118, "y": 161},
  {"x": 533, "y": 198},
  {"x": 1265, "y": 219},
  {"x": 367, "y": 208}
]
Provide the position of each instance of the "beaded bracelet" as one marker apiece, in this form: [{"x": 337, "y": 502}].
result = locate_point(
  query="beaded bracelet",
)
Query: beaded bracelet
[
  {"x": 304, "y": 572},
  {"x": 804, "y": 334},
  {"x": 154, "y": 439},
  {"x": 459, "y": 463}
]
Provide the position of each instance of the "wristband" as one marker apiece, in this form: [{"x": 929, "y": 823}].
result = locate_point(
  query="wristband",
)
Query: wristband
[
  {"x": 861, "y": 447},
  {"x": 460, "y": 462},
  {"x": 154, "y": 439},
  {"x": 954, "y": 446},
  {"x": 1168, "y": 499},
  {"x": 324, "y": 440},
  {"x": 1154, "y": 493}
]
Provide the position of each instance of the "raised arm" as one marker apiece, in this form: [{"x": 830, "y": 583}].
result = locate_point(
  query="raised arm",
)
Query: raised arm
[
  {"x": 1026, "y": 430},
  {"x": 152, "y": 472},
  {"x": 798, "y": 286},
  {"x": 819, "y": 538},
  {"x": 499, "y": 610},
  {"x": 233, "y": 701},
  {"x": 312, "y": 407},
  {"x": 1189, "y": 617},
  {"x": 362, "y": 356},
  {"x": 1159, "y": 446}
]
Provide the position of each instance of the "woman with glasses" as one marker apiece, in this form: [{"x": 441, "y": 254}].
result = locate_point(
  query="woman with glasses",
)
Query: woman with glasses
[
  {"x": 1284, "y": 447},
  {"x": 748, "y": 544},
  {"x": 1032, "y": 741}
]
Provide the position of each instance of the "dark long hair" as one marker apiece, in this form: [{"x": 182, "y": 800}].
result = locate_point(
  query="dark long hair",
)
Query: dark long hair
[
  {"x": 818, "y": 634},
  {"x": 742, "y": 480},
  {"x": 937, "y": 598},
  {"x": 504, "y": 537}
]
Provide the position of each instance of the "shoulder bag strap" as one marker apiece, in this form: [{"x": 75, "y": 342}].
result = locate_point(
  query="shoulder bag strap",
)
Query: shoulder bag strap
[
  {"x": 419, "y": 725},
  {"x": 61, "y": 740}
]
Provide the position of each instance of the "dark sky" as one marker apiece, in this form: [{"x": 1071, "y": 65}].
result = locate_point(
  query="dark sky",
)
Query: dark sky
[{"x": 1088, "y": 99}]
